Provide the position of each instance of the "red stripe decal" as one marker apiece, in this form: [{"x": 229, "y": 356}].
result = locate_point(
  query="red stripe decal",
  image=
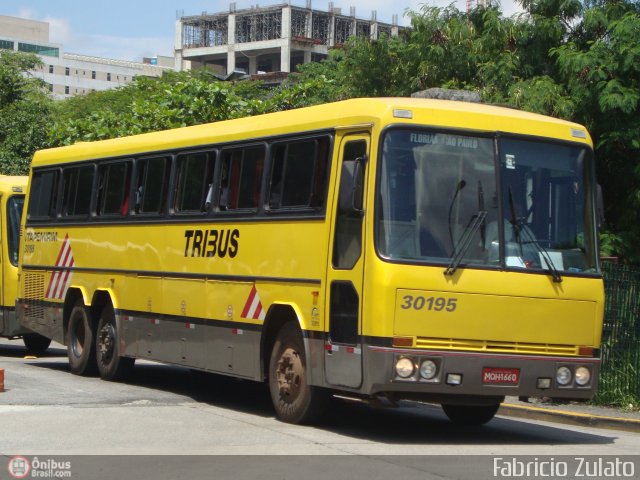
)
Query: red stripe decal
[
  {"x": 64, "y": 242},
  {"x": 247, "y": 305}
]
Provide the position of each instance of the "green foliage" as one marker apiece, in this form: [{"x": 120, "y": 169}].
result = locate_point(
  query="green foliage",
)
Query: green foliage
[
  {"x": 176, "y": 100},
  {"x": 297, "y": 92},
  {"x": 117, "y": 100},
  {"x": 330, "y": 73},
  {"x": 375, "y": 67},
  {"x": 602, "y": 72},
  {"x": 619, "y": 382},
  {"x": 614, "y": 245},
  {"x": 542, "y": 95},
  {"x": 24, "y": 112},
  {"x": 442, "y": 48}
]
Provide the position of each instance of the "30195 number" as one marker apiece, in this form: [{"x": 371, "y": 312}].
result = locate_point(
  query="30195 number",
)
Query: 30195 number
[{"x": 437, "y": 304}]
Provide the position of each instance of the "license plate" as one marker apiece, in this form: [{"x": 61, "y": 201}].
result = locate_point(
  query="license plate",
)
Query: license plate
[{"x": 501, "y": 376}]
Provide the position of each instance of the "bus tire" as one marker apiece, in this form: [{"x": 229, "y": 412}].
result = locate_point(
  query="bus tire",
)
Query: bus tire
[
  {"x": 295, "y": 401},
  {"x": 470, "y": 414},
  {"x": 111, "y": 365},
  {"x": 80, "y": 341},
  {"x": 36, "y": 343}
]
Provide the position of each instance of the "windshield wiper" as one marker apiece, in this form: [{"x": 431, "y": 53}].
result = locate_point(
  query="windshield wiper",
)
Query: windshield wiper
[
  {"x": 543, "y": 253},
  {"x": 461, "y": 184},
  {"x": 483, "y": 227},
  {"x": 465, "y": 241},
  {"x": 518, "y": 225}
]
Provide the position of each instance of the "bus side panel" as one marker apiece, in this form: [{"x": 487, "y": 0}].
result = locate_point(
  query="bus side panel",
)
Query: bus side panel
[{"x": 179, "y": 308}]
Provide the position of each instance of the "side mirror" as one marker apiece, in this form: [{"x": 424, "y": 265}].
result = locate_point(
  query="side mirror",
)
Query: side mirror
[
  {"x": 358, "y": 185},
  {"x": 352, "y": 186}
]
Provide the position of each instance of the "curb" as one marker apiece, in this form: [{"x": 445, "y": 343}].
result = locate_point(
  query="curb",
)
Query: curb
[{"x": 569, "y": 418}]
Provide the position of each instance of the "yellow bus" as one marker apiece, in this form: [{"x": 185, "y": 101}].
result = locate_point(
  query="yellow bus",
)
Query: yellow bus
[
  {"x": 379, "y": 249},
  {"x": 12, "y": 190}
]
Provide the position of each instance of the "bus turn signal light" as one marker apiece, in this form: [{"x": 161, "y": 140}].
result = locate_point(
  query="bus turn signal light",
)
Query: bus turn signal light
[
  {"x": 403, "y": 341},
  {"x": 585, "y": 351}
]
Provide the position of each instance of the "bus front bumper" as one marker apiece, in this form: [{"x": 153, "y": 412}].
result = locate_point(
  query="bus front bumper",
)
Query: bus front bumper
[{"x": 404, "y": 373}]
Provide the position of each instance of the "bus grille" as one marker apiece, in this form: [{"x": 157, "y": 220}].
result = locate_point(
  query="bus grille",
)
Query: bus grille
[
  {"x": 490, "y": 346},
  {"x": 34, "y": 291}
]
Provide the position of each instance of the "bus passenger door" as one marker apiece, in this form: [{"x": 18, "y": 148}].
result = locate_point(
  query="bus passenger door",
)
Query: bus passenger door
[{"x": 343, "y": 344}]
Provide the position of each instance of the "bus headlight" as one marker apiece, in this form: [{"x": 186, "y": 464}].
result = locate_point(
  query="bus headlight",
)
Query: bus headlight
[
  {"x": 404, "y": 367},
  {"x": 583, "y": 376},
  {"x": 563, "y": 376},
  {"x": 428, "y": 369}
]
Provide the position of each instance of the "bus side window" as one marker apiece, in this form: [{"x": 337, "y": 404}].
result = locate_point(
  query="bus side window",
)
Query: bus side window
[
  {"x": 77, "y": 188},
  {"x": 195, "y": 182},
  {"x": 298, "y": 175},
  {"x": 151, "y": 185},
  {"x": 113, "y": 188},
  {"x": 225, "y": 180},
  {"x": 43, "y": 194},
  {"x": 241, "y": 178}
]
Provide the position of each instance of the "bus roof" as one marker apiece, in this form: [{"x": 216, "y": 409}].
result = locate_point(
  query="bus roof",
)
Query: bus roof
[
  {"x": 13, "y": 183},
  {"x": 362, "y": 111}
]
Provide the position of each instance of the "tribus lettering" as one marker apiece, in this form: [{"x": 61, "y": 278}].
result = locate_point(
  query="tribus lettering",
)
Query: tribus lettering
[{"x": 209, "y": 243}]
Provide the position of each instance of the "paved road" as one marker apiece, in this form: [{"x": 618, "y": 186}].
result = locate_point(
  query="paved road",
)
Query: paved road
[{"x": 168, "y": 410}]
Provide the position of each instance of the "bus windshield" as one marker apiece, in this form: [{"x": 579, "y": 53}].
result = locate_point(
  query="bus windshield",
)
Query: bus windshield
[
  {"x": 14, "y": 212},
  {"x": 438, "y": 199}
]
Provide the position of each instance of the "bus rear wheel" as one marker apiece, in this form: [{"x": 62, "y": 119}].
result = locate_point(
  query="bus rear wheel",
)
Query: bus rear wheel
[
  {"x": 36, "y": 343},
  {"x": 470, "y": 414},
  {"x": 295, "y": 401},
  {"x": 111, "y": 365},
  {"x": 80, "y": 341}
]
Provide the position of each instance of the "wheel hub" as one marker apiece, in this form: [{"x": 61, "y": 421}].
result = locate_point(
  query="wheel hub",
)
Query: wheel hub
[
  {"x": 289, "y": 374},
  {"x": 107, "y": 342}
]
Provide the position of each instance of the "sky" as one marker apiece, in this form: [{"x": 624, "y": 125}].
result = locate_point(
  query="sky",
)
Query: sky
[{"x": 133, "y": 29}]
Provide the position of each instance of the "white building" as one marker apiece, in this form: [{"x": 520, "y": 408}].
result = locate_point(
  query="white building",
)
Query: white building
[{"x": 69, "y": 74}]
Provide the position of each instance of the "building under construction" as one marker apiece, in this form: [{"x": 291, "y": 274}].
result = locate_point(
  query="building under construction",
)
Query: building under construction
[{"x": 268, "y": 39}]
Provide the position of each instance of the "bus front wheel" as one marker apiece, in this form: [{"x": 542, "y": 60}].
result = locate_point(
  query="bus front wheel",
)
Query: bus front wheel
[
  {"x": 470, "y": 414},
  {"x": 36, "y": 343},
  {"x": 111, "y": 365},
  {"x": 295, "y": 401},
  {"x": 80, "y": 341}
]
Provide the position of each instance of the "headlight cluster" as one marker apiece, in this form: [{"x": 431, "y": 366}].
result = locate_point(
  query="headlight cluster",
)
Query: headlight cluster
[
  {"x": 410, "y": 368},
  {"x": 568, "y": 375}
]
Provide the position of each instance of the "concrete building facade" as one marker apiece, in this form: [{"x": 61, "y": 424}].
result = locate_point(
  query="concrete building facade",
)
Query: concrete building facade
[
  {"x": 68, "y": 74},
  {"x": 268, "y": 39}
]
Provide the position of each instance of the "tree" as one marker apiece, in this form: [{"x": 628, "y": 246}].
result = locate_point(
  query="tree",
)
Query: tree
[
  {"x": 24, "y": 112},
  {"x": 601, "y": 69},
  {"x": 146, "y": 105},
  {"x": 175, "y": 100}
]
